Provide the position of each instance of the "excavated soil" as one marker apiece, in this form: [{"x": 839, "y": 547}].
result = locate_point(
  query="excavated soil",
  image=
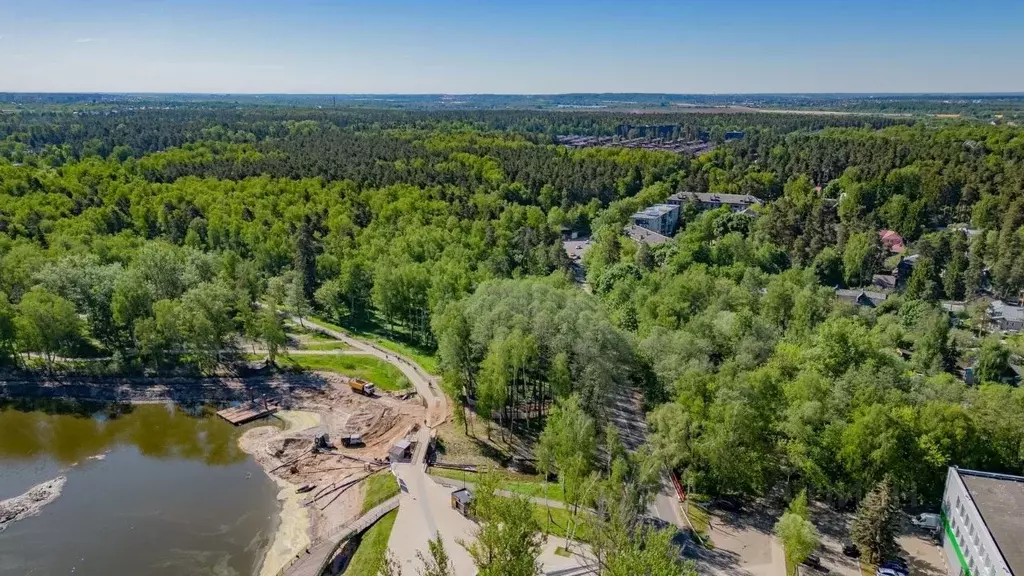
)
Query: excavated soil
[{"x": 289, "y": 457}]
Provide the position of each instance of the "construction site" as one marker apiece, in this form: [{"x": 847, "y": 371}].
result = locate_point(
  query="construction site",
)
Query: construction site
[{"x": 333, "y": 439}]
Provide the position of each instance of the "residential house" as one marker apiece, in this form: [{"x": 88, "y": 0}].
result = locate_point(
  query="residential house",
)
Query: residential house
[
  {"x": 866, "y": 298},
  {"x": 660, "y": 218},
  {"x": 892, "y": 241},
  {"x": 711, "y": 200},
  {"x": 883, "y": 282},
  {"x": 1006, "y": 317}
]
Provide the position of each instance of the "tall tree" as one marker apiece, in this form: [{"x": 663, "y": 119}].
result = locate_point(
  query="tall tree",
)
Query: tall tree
[
  {"x": 993, "y": 360},
  {"x": 568, "y": 445},
  {"x": 8, "y": 331},
  {"x": 271, "y": 329},
  {"x": 48, "y": 324},
  {"x": 798, "y": 535},
  {"x": 508, "y": 542},
  {"x": 877, "y": 523}
]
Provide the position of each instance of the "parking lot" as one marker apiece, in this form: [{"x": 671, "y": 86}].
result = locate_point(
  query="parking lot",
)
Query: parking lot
[{"x": 743, "y": 544}]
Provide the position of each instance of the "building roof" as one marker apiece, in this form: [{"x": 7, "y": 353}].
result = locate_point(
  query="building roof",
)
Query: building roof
[
  {"x": 641, "y": 234},
  {"x": 999, "y": 499},
  {"x": 864, "y": 297},
  {"x": 1000, "y": 309},
  {"x": 463, "y": 495},
  {"x": 710, "y": 197},
  {"x": 892, "y": 240},
  {"x": 884, "y": 281},
  {"x": 403, "y": 444},
  {"x": 656, "y": 211}
]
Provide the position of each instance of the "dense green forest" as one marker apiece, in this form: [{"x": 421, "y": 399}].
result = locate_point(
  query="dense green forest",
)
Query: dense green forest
[{"x": 143, "y": 241}]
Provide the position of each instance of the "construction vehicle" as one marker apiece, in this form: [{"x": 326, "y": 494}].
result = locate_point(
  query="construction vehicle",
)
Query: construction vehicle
[{"x": 362, "y": 386}]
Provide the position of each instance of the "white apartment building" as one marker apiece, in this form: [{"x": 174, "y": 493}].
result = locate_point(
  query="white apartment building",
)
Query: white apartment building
[{"x": 983, "y": 524}]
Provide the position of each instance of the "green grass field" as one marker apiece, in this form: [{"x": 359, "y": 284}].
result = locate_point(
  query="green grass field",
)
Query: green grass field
[
  {"x": 520, "y": 484},
  {"x": 384, "y": 375},
  {"x": 379, "y": 488},
  {"x": 425, "y": 358},
  {"x": 555, "y": 521},
  {"x": 323, "y": 345},
  {"x": 369, "y": 557}
]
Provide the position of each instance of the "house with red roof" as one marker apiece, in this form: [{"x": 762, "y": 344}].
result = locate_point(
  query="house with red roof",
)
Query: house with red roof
[{"x": 892, "y": 241}]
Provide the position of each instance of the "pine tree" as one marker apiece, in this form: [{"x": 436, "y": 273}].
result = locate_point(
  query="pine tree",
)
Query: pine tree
[{"x": 877, "y": 523}]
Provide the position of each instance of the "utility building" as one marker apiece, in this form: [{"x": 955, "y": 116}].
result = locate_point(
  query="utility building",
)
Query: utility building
[{"x": 983, "y": 524}]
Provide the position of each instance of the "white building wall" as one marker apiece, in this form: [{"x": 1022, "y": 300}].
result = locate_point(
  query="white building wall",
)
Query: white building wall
[{"x": 963, "y": 523}]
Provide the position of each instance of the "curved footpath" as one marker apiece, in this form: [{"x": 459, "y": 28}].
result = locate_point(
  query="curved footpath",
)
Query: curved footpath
[
  {"x": 426, "y": 385},
  {"x": 425, "y": 508}
]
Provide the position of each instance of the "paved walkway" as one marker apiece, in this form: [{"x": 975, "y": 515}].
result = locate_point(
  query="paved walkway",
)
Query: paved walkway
[
  {"x": 317, "y": 558},
  {"x": 424, "y": 506}
]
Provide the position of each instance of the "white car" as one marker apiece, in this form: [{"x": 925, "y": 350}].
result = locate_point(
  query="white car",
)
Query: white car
[{"x": 927, "y": 521}]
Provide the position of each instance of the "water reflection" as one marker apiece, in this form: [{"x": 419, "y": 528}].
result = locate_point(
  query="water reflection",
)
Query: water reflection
[{"x": 69, "y": 431}]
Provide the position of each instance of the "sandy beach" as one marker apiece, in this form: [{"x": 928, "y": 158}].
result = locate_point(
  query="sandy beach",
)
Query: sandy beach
[{"x": 293, "y": 530}]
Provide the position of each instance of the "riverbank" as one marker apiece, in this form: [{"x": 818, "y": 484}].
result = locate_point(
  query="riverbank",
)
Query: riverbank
[
  {"x": 292, "y": 536},
  {"x": 159, "y": 389}
]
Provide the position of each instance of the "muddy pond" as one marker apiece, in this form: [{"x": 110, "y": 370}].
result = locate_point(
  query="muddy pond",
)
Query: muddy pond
[{"x": 151, "y": 489}]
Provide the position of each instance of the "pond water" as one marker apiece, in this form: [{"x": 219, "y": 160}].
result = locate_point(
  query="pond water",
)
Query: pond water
[{"x": 172, "y": 494}]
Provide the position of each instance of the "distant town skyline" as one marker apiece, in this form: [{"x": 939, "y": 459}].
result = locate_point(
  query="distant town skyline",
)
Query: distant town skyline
[{"x": 526, "y": 47}]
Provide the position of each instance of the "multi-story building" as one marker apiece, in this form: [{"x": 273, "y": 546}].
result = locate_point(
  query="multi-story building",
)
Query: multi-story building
[
  {"x": 983, "y": 524},
  {"x": 711, "y": 200},
  {"x": 660, "y": 218}
]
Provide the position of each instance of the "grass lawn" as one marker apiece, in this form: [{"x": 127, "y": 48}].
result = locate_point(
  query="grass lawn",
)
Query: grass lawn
[
  {"x": 698, "y": 517},
  {"x": 376, "y": 334},
  {"x": 557, "y": 523},
  {"x": 379, "y": 488},
  {"x": 379, "y": 372},
  {"x": 369, "y": 556},
  {"x": 323, "y": 345},
  {"x": 517, "y": 483}
]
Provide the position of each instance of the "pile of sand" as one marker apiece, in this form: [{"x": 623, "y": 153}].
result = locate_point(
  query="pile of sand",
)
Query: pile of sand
[{"x": 30, "y": 503}]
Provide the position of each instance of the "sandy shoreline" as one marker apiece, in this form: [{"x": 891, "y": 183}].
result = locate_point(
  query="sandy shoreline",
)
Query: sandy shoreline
[{"x": 292, "y": 536}]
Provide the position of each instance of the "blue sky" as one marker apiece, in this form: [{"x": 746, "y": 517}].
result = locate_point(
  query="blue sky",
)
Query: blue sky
[{"x": 525, "y": 46}]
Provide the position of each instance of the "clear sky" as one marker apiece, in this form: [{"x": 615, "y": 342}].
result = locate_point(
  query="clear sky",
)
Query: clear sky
[{"x": 514, "y": 46}]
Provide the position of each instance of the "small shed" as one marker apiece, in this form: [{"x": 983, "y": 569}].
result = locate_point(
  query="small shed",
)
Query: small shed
[
  {"x": 402, "y": 450},
  {"x": 461, "y": 500}
]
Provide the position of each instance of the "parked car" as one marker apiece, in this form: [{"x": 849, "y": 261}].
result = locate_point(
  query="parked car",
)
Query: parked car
[
  {"x": 850, "y": 549},
  {"x": 888, "y": 572},
  {"x": 897, "y": 566},
  {"x": 813, "y": 560},
  {"x": 927, "y": 521}
]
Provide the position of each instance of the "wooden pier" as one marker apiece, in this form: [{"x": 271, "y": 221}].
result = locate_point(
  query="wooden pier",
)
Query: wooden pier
[{"x": 248, "y": 411}]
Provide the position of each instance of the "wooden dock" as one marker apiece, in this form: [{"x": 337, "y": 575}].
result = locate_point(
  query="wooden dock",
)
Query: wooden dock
[{"x": 248, "y": 411}]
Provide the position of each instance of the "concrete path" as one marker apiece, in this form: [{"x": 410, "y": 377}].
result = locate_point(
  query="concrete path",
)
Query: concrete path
[
  {"x": 425, "y": 511},
  {"x": 426, "y": 385},
  {"x": 424, "y": 506},
  {"x": 316, "y": 558}
]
